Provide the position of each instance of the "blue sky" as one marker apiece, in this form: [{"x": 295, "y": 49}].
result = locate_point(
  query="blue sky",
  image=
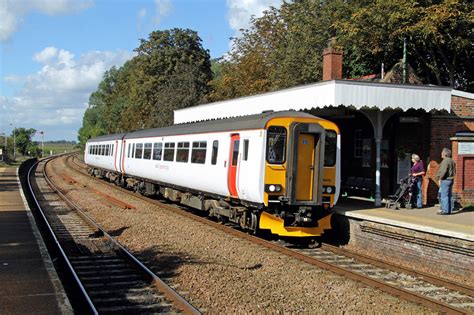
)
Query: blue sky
[{"x": 54, "y": 52}]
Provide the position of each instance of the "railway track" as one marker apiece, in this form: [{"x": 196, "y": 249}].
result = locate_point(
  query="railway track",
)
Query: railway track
[
  {"x": 434, "y": 292},
  {"x": 109, "y": 278}
]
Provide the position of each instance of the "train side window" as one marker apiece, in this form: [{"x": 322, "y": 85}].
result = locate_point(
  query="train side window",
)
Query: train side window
[
  {"x": 330, "y": 148},
  {"x": 132, "y": 154},
  {"x": 246, "y": 149},
  {"x": 147, "y": 151},
  {"x": 169, "y": 151},
  {"x": 102, "y": 149},
  {"x": 276, "y": 145},
  {"x": 157, "y": 150},
  {"x": 112, "y": 149},
  {"x": 128, "y": 152},
  {"x": 94, "y": 149},
  {"x": 198, "y": 154},
  {"x": 106, "y": 150},
  {"x": 182, "y": 155},
  {"x": 139, "y": 150},
  {"x": 215, "y": 150}
]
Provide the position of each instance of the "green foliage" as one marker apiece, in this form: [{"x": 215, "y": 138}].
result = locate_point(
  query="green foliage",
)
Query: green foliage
[
  {"x": 283, "y": 48},
  {"x": 439, "y": 37},
  {"x": 23, "y": 139},
  {"x": 171, "y": 70}
]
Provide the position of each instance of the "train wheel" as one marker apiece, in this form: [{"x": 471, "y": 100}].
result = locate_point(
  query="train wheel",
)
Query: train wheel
[
  {"x": 253, "y": 223},
  {"x": 314, "y": 243}
]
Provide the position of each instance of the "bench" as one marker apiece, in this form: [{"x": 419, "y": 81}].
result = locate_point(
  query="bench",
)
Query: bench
[{"x": 357, "y": 186}]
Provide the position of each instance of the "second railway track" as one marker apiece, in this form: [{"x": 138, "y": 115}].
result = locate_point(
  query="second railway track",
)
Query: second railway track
[
  {"x": 111, "y": 278},
  {"x": 434, "y": 292}
]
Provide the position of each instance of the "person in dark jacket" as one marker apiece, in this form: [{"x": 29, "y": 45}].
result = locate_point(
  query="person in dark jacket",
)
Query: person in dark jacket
[
  {"x": 445, "y": 177},
  {"x": 417, "y": 171}
]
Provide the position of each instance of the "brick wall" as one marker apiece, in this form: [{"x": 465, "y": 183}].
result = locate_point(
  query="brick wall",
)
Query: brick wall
[
  {"x": 462, "y": 107},
  {"x": 444, "y": 127},
  {"x": 332, "y": 64},
  {"x": 464, "y": 180}
]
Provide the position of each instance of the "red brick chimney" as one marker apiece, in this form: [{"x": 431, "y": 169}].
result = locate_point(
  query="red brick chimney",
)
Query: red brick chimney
[{"x": 332, "y": 61}]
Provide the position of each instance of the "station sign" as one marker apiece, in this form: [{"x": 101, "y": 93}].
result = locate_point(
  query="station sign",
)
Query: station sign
[{"x": 465, "y": 148}]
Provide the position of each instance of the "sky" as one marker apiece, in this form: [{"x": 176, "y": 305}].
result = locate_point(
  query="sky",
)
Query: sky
[{"x": 54, "y": 53}]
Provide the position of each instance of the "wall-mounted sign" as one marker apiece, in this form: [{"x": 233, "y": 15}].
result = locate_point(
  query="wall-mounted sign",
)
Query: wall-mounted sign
[
  {"x": 465, "y": 148},
  {"x": 404, "y": 167},
  {"x": 409, "y": 119}
]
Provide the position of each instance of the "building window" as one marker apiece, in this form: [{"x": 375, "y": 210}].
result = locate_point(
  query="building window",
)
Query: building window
[
  {"x": 157, "y": 151},
  {"x": 215, "y": 149},
  {"x": 169, "y": 151},
  {"x": 182, "y": 154},
  {"x": 198, "y": 154},
  {"x": 358, "y": 143}
]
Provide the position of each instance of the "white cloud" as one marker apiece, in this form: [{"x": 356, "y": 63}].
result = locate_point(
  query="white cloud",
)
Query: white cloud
[
  {"x": 46, "y": 54},
  {"x": 12, "y": 12},
  {"x": 12, "y": 78},
  {"x": 57, "y": 94},
  {"x": 162, "y": 9},
  {"x": 240, "y": 12}
]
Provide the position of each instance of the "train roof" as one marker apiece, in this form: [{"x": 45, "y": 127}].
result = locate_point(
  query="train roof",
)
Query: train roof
[
  {"x": 115, "y": 136},
  {"x": 257, "y": 121}
]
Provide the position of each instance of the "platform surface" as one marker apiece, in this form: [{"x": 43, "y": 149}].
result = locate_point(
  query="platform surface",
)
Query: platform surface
[
  {"x": 29, "y": 283},
  {"x": 458, "y": 225}
]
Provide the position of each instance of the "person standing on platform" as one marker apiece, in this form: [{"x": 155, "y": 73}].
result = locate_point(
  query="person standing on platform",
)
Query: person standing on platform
[
  {"x": 445, "y": 177},
  {"x": 417, "y": 172}
]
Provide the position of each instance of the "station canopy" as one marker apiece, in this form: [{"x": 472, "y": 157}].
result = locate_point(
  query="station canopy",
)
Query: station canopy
[{"x": 359, "y": 95}]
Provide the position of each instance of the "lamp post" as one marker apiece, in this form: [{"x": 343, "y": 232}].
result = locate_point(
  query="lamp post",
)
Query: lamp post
[{"x": 14, "y": 143}]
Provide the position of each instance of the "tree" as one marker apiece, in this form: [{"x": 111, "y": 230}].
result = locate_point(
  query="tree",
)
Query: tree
[
  {"x": 23, "y": 139},
  {"x": 439, "y": 36},
  {"x": 171, "y": 70},
  {"x": 283, "y": 48}
]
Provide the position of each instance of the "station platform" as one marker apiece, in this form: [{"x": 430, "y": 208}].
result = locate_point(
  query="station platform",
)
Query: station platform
[
  {"x": 444, "y": 243},
  {"x": 29, "y": 283},
  {"x": 459, "y": 224}
]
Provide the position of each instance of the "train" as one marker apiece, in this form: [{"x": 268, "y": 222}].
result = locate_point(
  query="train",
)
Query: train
[{"x": 276, "y": 172}]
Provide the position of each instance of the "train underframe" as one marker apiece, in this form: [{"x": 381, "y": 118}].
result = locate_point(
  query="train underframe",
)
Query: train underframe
[{"x": 303, "y": 222}]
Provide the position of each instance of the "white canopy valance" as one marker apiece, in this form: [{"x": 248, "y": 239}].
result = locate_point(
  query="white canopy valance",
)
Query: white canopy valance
[{"x": 323, "y": 94}]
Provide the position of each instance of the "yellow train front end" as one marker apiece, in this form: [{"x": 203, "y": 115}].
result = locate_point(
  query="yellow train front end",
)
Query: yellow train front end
[{"x": 301, "y": 176}]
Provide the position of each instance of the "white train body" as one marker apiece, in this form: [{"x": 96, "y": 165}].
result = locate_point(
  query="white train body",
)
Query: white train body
[{"x": 260, "y": 161}]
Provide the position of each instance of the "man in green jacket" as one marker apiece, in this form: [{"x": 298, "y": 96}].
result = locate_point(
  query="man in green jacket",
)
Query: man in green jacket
[{"x": 445, "y": 177}]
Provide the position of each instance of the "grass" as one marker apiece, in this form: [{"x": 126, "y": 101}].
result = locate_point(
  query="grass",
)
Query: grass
[
  {"x": 49, "y": 148},
  {"x": 55, "y": 148}
]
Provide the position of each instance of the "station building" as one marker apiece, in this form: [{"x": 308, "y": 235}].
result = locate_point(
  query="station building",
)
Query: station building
[{"x": 381, "y": 123}]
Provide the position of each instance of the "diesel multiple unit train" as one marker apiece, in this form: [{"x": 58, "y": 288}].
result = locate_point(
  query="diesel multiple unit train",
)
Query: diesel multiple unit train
[{"x": 276, "y": 171}]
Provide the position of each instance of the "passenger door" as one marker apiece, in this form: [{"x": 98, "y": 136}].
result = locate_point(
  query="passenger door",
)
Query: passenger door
[
  {"x": 305, "y": 167},
  {"x": 233, "y": 165}
]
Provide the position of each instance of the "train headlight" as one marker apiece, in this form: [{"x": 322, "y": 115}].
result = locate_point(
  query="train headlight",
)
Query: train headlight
[
  {"x": 271, "y": 188},
  {"x": 329, "y": 189}
]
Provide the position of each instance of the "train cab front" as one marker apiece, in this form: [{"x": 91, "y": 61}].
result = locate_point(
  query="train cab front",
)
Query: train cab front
[{"x": 300, "y": 185}]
